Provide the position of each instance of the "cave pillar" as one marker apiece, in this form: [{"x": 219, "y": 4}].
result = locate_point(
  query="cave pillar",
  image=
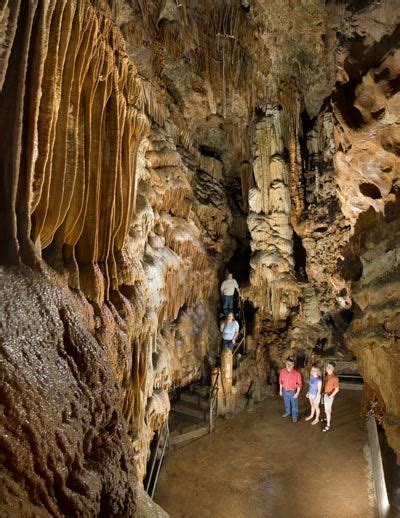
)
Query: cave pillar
[{"x": 273, "y": 286}]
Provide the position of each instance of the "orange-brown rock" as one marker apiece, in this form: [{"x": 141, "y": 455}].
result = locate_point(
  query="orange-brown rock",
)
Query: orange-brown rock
[{"x": 146, "y": 146}]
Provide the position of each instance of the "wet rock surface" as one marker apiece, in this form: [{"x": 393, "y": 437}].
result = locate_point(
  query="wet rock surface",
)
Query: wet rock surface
[
  {"x": 64, "y": 447},
  {"x": 147, "y": 146}
]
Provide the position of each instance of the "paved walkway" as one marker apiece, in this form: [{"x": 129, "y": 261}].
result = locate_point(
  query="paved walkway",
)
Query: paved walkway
[{"x": 258, "y": 465}]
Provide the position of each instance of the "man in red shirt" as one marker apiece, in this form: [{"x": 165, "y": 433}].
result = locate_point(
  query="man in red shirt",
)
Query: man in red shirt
[{"x": 289, "y": 387}]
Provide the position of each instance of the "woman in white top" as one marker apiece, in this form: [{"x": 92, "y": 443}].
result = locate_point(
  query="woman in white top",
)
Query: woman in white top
[{"x": 229, "y": 330}]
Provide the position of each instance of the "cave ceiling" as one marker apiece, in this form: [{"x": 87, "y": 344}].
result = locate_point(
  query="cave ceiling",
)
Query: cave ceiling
[{"x": 148, "y": 144}]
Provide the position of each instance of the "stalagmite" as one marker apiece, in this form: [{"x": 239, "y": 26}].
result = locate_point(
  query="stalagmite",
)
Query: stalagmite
[
  {"x": 146, "y": 149},
  {"x": 225, "y": 404}
]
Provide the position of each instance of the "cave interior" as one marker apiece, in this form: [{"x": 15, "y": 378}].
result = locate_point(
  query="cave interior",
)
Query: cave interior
[{"x": 148, "y": 148}]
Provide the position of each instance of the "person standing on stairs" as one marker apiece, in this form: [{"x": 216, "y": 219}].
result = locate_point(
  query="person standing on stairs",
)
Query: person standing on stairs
[
  {"x": 331, "y": 388},
  {"x": 289, "y": 387},
  {"x": 230, "y": 330},
  {"x": 228, "y": 288}
]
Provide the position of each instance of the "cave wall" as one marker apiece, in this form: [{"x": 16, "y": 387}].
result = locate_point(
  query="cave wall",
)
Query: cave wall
[
  {"x": 94, "y": 187},
  {"x": 64, "y": 450},
  {"x": 366, "y": 112},
  {"x": 369, "y": 155},
  {"x": 373, "y": 334},
  {"x": 146, "y": 141}
]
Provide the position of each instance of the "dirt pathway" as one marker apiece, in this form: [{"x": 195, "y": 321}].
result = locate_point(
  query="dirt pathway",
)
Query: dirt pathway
[{"x": 259, "y": 465}]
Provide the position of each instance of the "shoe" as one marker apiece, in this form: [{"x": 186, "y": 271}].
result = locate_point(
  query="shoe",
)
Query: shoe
[
  {"x": 308, "y": 418},
  {"x": 286, "y": 415},
  {"x": 315, "y": 422},
  {"x": 294, "y": 419},
  {"x": 326, "y": 429}
]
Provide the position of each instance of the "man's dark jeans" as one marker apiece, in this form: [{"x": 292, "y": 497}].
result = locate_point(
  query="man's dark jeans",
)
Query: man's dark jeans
[{"x": 227, "y": 303}]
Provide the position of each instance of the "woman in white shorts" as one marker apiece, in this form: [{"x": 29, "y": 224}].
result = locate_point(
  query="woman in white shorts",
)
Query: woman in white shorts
[{"x": 331, "y": 388}]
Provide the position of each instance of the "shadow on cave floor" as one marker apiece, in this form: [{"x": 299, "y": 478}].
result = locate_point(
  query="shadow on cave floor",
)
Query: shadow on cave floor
[{"x": 260, "y": 465}]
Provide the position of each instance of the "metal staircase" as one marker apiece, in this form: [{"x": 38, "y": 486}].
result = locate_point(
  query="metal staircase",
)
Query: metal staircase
[{"x": 192, "y": 414}]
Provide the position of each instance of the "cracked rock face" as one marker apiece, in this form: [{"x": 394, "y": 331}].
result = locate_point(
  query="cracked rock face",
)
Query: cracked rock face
[{"x": 147, "y": 145}]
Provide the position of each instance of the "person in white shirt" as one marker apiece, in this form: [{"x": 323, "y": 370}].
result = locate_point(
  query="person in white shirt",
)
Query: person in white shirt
[
  {"x": 230, "y": 330},
  {"x": 228, "y": 288}
]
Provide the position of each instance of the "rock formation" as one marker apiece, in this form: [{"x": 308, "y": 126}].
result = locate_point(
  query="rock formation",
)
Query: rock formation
[
  {"x": 269, "y": 221},
  {"x": 145, "y": 146}
]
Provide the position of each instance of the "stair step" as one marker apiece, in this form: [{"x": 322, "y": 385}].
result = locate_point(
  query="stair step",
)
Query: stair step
[
  {"x": 188, "y": 436},
  {"x": 184, "y": 427},
  {"x": 183, "y": 407},
  {"x": 195, "y": 398},
  {"x": 202, "y": 391},
  {"x": 197, "y": 387}
]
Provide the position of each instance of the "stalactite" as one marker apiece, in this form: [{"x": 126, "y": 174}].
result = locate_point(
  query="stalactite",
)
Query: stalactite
[
  {"x": 79, "y": 90},
  {"x": 153, "y": 106},
  {"x": 223, "y": 93},
  {"x": 217, "y": 33},
  {"x": 291, "y": 105}
]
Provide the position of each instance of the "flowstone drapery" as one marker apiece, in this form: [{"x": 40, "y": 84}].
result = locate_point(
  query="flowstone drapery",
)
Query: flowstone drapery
[
  {"x": 269, "y": 220},
  {"x": 145, "y": 146}
]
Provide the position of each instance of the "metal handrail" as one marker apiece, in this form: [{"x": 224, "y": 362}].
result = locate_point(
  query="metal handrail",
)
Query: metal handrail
[
  {"x": 153, "y": 462},
  {"x": 242, "y": 332},
  {"x": 339, "y": 361},
  {"x": 242, "y": 318},
  {"x": 151, "y": 484},
  {"x": 238, "y": 345},
  {"x": 166, "y": 438}
]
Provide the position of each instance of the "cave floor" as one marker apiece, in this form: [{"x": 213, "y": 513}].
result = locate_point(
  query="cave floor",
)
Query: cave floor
[{"x": 257, "y": 464}]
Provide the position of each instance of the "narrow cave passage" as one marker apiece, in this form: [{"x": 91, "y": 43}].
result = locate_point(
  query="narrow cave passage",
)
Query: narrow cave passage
[
  {"x": 239, "y": 263},
  {"x": 149, "y": 147},
  {"x": 300, "y": 258},
  {"x": 260, "y": 465}
]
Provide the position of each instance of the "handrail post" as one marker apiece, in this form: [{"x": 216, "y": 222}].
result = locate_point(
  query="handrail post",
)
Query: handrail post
[{"x": 213, "y": 401}]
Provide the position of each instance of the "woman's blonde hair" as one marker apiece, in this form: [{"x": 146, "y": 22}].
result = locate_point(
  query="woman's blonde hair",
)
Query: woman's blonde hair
[{"x": 316, "y": 369}]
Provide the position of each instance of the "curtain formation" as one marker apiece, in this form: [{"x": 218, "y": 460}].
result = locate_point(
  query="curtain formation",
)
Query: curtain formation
[{"x": 71, "y": 123}]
